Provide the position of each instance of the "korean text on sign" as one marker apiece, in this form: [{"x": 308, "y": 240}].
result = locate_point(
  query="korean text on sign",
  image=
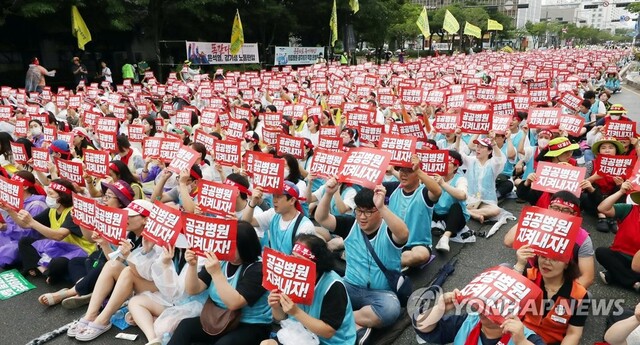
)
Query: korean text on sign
[
  {"x": 556, "y": 177},
  {"x": 364, "y": 166},
  {"x": 11, "y": 193},
  {"x": 325, "y": 163},
  {"x": 499, "y": 292},
  {"x": 292, "y": 276},
  {"x": 217, "y": 198},
  {"x": 163, "y": 225},
  {"x": 111, "y": 223},
  {"x": 549, "y": 233},
  {"x": 208, "y": 234}
]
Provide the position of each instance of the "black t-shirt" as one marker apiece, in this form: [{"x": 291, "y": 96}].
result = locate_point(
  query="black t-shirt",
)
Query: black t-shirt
[
  {"x": 334, "y": 305},
  {"x": 344, "y": 223},
  {"x": 43, "y": 218},
  {"x": 249, "y": 285}
]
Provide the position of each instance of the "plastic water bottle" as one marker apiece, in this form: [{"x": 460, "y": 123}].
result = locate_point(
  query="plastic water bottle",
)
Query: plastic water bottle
[{"x": 165, "y": 338}]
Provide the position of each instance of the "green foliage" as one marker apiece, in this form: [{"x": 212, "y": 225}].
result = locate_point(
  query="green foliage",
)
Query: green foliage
[
  {"x": 633, "y": 7},
  {"x": 407, "y": 28}
]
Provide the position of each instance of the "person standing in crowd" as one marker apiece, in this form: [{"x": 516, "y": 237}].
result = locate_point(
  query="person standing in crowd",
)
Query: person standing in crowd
[
  {"x": 35, "y": 82},
  {"x": 128, "y": 72},
  {"x": 79, "y": 71},
  {"x": 105, "y": 73}
]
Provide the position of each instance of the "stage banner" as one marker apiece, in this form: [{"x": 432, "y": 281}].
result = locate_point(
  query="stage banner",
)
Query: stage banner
[
  {"x": 297, "y": 55},
  {"x": 213, "y": 53}
]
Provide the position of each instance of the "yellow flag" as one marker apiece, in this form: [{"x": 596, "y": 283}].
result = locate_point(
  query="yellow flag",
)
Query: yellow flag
[
  {"x": 79, "y": 28},
  {"x": 450, "y": 23},
  {"x": 333, "y": 24},
  {"x": 237, "y": 35},
  {"x": 493, "y": 25},
  {"x": 355, "y": 6},
  {"x": 423, "y": 22},
  {"x": 472, "y": 30}
]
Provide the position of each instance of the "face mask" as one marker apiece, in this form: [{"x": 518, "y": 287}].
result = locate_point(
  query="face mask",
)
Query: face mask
[
  {"x": 286, "y": 172},
  {"x": 52, "y": 202},
  {"x": 615, "y": 117},
  {"x": 542, "y": 143},
  {"x": 36, "y": 131}
]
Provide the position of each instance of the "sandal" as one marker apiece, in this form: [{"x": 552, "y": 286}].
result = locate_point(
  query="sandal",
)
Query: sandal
[
  {"x": 51, "y": 299},
  {"x": 74, "y": 302},
  {"x": 78, "y": 327},
  {"x": 92, "y": 331}
]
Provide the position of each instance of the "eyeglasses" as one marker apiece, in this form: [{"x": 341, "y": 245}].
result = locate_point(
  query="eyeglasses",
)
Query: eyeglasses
[
  {"x": 366, "y": 213},
  {"x": 564, "y": 210},
  {"x": 109, "y": 196}
]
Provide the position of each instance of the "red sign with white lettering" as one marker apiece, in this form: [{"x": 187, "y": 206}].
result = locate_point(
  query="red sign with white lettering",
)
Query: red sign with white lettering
[
  {"x": 96, "y": 162},
  {"x": 211, "y": 235},
  {"x": 434, "y": 162},
  {"x": 266, "y": 171},
  {"x": 364, "y": 166},
  {"x": 217, "y": 198},
  {"x": 290, "y": 145},
  {"x": 402, "y": 148},
  {"x": 614, "y": 166},
  {"x": 544, "y": 118},
  {"x": 70, "y": 170},
  {"x": 620, "y": 129},
  {"x": 476, "y": 122},
  {"x": 325, "y": 163},
  {"x": 227, "y": 152},
  {"x": 550, "y": 233},
  {"x": 184, "y": 159},
  {"x": 554, "y": 177},
  {"x": 163, "y": 225},
  {"x": 290, "y": 275},
  {"x": 11, "y": 193},
  {"x": 84, "y": 211},
  {"x": 111, "y": 223}
]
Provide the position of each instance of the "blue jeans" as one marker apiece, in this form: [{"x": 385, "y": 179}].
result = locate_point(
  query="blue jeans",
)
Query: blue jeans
[{"x": 385, "y": 304}]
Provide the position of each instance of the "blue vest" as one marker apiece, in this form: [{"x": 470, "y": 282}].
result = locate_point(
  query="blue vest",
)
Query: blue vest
[
  {"x": 508, "y": 166},
  {"x": 346, "y": 334},
  {"x": 529, "y": 168},
  {"x": 446, "y": 200},
  {"x": 470, "y": 322},
  {"x": 482, "y": 181},
  {"x": 416, "y": 214},
  {"x": 362, "y": 270},
  {"x": 280, "y": 240},
  {"x": 260, "y": 312}
]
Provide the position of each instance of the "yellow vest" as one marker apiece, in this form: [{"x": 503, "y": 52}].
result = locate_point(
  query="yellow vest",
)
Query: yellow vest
[{"x": 56, "y": 223}]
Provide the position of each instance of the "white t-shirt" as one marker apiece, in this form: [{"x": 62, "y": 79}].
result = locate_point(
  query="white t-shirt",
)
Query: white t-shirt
[{"x": 106, "y": 72}]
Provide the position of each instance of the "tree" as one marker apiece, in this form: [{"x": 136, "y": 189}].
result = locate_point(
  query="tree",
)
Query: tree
[
  {"x": 405, "y": 27},
  {"x": 633, "y": 7},
  {"x": 537, "y": 31}
]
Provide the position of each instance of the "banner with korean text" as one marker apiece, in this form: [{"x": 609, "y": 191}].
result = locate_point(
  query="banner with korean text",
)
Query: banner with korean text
[
  {"x": 553, "y": 178},
  {"x": 163, "y": 225},
  {"x": 297, "y": 55},
  {"x": 214, "y": 53}
]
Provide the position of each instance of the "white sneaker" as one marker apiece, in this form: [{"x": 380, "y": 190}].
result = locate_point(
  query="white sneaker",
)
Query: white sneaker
[{"x": 443, "y": 244}]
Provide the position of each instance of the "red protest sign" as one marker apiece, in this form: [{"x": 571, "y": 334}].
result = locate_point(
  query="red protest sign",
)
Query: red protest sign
[
  {"x": 96, "y": 162},
  {"x": 5, "y": 112},
  {"x": 446, "y": 123},
  {"x": 163, "y": 225},
  {"x": 413, "y": 129},
  {"x": 540, "y": 96},
  {"x": 50, "y": 133},
  {"x": 544, "y": 118},
  {"x": 455, "y": 101},
  {"x": 290, "y": 145},
  {"x": 11, "y": 193},
  {"x": 70, "y": 170},
  {"x": 21, "y": 128},
  {"x": 107, "y": 124},
  {"x": 270, "y": 135},
  {"x": 475, "y": 122},
  {"x": 40, "y": 157},
  {"x": 364, "y": 166},
  {"x": 217, "y": 198},
  {"x": 499, "y": 292},
  {"x": 521, "y": 102},
  {"x": 357, "y": 118},
  {"x": 151, "y": 147},
  {"x": 331, "y": 131},
  {"x": 169, "y": 148},
  {"x": 554, "y": 177},
  {"x": 411, "y": 96},
  {"x": 267, "y": 171},
  {"x": 209, "y": 118},
  {"x": 84, "y": 211},
  {"x": 572, "y": 124},
  {"x": 19, "y": 153},
  {"x": 236, "y": 129},
  {"x": 211, "y": 235},
  {"x": 325, "y": 163},
  {"x": 503, "y": 112},
  {"x": 227, "y": 152},
  {"x": 183, "y": 117},
  {"x": 136, "y": 133},
  {"x": 185, "y": 158},
  {"x": 550, "y": 233},
  {"x": 111, "y": 223},
  {"x": 107, "y": 140},
  {"x": 620, "y": 129},
  {"x": 400, "y": 147},
  {"x": 434, "y": 162},
  {"x": 242, "y": 113},
  {"x": 272, "y": 119},
  {"x": 205, "y": 139},
  {"x": 290, "y": 275},
  {"x": 569, "y": 100},
  {"x": 370, "y": 133},
  {"x": 330, "y": 143},
  {"x": 635, "y": 176},
  {"x": 614, "y": 166}
]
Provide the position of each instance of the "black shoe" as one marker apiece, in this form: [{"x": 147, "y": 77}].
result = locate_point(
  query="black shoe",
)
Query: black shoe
[
  {"x": 602, "y": 225},
  {"x": 613, "y": 225},
  {"x": 363, "y": 336}
]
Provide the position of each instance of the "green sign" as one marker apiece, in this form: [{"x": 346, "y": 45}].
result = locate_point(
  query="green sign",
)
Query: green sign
[{"x": 12, "y": 283}]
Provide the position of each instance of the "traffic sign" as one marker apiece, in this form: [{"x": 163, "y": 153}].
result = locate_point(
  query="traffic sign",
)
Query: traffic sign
[{"x": 605, "y": 4}]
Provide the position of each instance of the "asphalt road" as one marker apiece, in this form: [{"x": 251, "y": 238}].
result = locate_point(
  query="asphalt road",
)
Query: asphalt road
[{"x": 22, "y": 318}]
